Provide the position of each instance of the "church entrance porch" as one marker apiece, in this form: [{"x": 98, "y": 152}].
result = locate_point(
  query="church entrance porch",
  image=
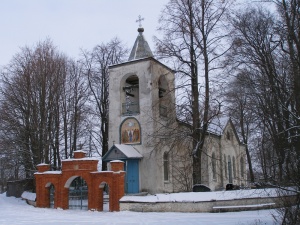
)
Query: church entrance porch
[{"x": 131, "y": 157}]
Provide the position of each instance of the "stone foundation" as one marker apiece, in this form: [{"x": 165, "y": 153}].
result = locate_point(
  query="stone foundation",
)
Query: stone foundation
[{"x": 205, "y": 206}]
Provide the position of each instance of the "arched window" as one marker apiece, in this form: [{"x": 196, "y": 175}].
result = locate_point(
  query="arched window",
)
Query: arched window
[
  {"x": 213, "y": 162},
  {"x": 228, "y": 135},
  {"x": 225, "y": 166},
  {"x": 229, "y": 169},
  {"x": 166, "y": 166},
  {"x": 163, "y": 94},
  {"x": 233, "y": 167},
  {"x": 242, "y": 167},
  {"x": 131, "y": 92}
]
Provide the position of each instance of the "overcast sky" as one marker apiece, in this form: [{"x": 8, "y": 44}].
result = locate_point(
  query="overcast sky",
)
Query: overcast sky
[{"x": 74, "y": 24}]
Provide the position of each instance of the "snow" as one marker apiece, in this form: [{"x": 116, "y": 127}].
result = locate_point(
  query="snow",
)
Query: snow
[
  {"x": 80, "y": 151},
  {"x": 43, "y": 164},
  {"x": 117, "y": 161},
  {"x": 202, "y": 196},
  {"x": 15, "y": 211},
  {"x": 49, "y": 172},
  {"x": 28, "y": 195},
  {"x": 129, "y": 151},
  {"x": 52, "y": 172},
  {"x": 80, "y": 159}
]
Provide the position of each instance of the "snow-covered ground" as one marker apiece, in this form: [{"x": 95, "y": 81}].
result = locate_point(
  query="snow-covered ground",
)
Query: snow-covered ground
[{"x": 14, "y": 211}]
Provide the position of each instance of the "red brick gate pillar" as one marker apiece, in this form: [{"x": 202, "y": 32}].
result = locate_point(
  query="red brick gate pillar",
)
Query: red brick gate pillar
[
  {"x": 65, "y": 198},
  {"x": 117, "y": 189},
  {"x": 42, "y": 192}
]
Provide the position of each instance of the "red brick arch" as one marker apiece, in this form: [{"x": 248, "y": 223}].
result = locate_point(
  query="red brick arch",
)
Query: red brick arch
[{"x": 87, "y": 169}]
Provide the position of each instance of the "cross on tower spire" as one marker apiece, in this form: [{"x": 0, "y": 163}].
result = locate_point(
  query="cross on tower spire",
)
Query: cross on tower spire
[{"x": 140, "y": 21}]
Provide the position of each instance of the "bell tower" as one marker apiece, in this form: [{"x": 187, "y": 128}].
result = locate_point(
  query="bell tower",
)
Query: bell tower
[{"x": 141, "y": 95}]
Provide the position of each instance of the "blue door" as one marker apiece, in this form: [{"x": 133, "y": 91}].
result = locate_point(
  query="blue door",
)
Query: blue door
[{"x": 132, "y": 176}]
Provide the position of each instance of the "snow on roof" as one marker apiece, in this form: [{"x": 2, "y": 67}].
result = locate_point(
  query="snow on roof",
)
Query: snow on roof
[
  {"x": 43, "y": 164},
  {"x": 129, "y": 151},
  {"x": 80, "y": 151},
  {"x": 52, "y": 172},
  {"x": 116, "y": 161},
  {"x": 217, "y": 125},
  {"x": 80, "y": 159}
]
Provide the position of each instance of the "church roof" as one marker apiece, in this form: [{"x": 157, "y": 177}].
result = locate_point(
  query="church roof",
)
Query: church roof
[
  {"x": 217, "y": 125},
  {"x": 140, "y": 48},
  {"x": 121, "y": 152}
]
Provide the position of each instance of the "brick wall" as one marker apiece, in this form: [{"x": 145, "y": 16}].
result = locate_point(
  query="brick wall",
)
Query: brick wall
[{"x": 87, "y": 169}]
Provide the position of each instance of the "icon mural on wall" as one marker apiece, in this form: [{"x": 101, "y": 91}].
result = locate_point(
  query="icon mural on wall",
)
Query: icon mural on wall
[{"x": 130, "y": 132}]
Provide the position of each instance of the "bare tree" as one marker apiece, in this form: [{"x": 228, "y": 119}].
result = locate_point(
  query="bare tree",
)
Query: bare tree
[
  {"x": 239, "y": 109},
  {"x": 265, "y": 52},
  {"x": 43, "y": 107},
  {"x": 78, "y": 95},
  {"x": 29, "y": 85},
  {"x": 192, "y": 40},
  {"x": 257, "y": 54},
  {"x": 96, "y": 70}
]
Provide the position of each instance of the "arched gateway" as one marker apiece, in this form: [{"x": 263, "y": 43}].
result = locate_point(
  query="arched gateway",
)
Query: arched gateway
[{"x": 87, "y": 169}]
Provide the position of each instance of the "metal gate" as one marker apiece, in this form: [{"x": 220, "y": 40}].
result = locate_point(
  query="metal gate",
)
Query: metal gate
[{"x": 78, "y": 194}]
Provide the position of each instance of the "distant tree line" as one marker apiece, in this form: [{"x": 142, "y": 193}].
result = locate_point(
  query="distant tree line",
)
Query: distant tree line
[
  {"x": 52, "y": 105},
  {"x": 264, "y": 95}
]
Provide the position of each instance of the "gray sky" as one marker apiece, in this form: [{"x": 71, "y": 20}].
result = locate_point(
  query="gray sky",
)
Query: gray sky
[{"x": 74, "y": 24}]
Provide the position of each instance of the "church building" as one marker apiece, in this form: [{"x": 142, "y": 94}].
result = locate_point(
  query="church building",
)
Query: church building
[{"x": 146, "y": 134}]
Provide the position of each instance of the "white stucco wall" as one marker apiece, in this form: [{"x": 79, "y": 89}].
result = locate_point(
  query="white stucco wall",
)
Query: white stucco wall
[{"x": 148, "y": 72}]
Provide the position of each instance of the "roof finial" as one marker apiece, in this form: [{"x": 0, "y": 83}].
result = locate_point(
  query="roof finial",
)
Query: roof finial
[{"x": 140, "y": 21}]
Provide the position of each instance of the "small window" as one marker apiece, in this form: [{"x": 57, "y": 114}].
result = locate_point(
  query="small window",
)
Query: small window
[{"x": 166, "y": 166}]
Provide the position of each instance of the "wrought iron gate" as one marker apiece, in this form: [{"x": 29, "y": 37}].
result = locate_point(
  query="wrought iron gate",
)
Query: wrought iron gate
[{"x": 78, "y": 194}]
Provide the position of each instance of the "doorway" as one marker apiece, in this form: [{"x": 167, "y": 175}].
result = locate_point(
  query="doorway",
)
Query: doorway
[{"x": 132, "y": 176}]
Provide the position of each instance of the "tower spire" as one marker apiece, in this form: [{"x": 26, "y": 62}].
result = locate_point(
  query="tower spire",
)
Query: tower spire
[{"x": 141, "y": 47}]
